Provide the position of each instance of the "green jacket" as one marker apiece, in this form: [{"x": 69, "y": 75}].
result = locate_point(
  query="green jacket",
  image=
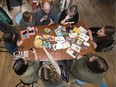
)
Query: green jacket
[
  {"x": 24, "y": 24},
  {"x": 31, "y": 75},
  {"x": 79, "y": 69}
]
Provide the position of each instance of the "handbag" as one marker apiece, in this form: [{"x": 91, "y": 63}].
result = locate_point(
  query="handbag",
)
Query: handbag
[{"x": 64, "y": 74}]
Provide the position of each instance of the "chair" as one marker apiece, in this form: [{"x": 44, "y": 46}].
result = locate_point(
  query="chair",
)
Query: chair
[
  {"x": 102, "y": 84},
  {"x": 25, "y": 84},
  {"x": 80, "y": 83},
  {"x": 2, "y": 47},
  {"x": 34, "y": 4},
  {"x": 18, "y": 18}
]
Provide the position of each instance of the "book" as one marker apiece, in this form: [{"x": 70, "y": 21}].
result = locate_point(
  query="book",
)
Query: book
[
  {"x": 24, "y": 34},
  {"x": 21, "y": 54},
  {"x": 27, "y": 33},
  {"x": 31, "y": 30},
  {"x": 59, "y": 39},
  {"x": 72, "y": 35},
  {"x": 71, "y": 52},
  {"x": 79, "y": 41},
  {"x": 84, "y": 36},
  {"x": 83, "y": 30},
  {"x": 51, "y": 38},
  {"x": 57, "y": 46},
  {"x": 65, "y": 45},
  {"x": 75, "y": 29},
  {"x": 76, "y": 47},
  {"x": 71, "y": 40},
  {"x": 58, "y": 31}
]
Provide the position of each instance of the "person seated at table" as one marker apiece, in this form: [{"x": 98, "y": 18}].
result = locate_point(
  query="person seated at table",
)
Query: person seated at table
[
  {"x": 69, "y": 16},
  {"x": 27, "y": 69},
  {"x": 50, "y": 73},
  {"x": 28, "y": 19},
  {"x": 46, "y": 16},
  {"x": 102, "y": 37},
  {"x": 11, "y": 41},
  {"x": 89, "y": 68}
]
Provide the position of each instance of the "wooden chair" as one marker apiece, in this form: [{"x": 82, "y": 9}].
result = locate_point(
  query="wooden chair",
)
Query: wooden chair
[
  {"x": 25, "y": 84},
  {"x": 2, "y": 47},
  {"x": 80, "y": 83}
]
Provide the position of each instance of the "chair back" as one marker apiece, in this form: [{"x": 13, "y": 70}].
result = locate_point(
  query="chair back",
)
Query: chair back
[
  {"x": 18, "y": 18},
  {"x": 102, "y": 84}
]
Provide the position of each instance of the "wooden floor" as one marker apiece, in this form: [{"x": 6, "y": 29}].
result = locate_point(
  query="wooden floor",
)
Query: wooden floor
[{"x": 93, "y": 13}]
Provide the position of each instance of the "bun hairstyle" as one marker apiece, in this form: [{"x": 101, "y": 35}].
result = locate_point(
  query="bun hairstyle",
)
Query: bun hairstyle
[{"x": 49, "y": 75}]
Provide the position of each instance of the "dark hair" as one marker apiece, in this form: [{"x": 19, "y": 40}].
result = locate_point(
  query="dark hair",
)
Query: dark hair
[
  {"x": 49, "y": 75},
  {"x": 20, "y": 67},
  {"x": 8, "y": 36},
  {"x": 73, "y": 9},
  {"x": 109, "y": 30},
  {"x": 99, "y": 65},
  {"x": 26, "y": 16}
]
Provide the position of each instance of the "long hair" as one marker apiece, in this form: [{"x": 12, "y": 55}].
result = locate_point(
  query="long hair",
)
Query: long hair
[
  {"x": 49, "y": 75},
  {"x": 109, "y": 31},
  {"x": 20, "y": 67},
  {"x": 99, "y": 65}
]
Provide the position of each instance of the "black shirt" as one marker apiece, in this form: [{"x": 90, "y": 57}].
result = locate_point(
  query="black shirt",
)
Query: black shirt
[
  {"x": 75, "y": 18},
  {"x": 101, "y": 42}
]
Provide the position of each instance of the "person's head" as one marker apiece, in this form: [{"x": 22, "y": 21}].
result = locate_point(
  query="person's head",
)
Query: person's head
[
  {"x": 46, "y": 7},
  {"x": 20, "y": 66},
  {"x": 106, "y": 31},
  {"x": 8, "y": 36},
  {"x": 48, "y": 73},
  {"x": 72, "y": 10},
  {"x": 97, "y": 64},
  {"x": 27, "y": 17}
]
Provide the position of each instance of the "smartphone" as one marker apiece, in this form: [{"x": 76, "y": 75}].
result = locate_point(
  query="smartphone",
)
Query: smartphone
[
  {"x": 24, "y": 32},
  {"x": 31, "y": 31}
]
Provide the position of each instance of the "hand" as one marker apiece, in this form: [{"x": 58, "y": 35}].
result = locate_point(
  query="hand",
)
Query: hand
[
  {"x": 33, "y": 50},
  {"x": 90, "y": 34},
  {"x": 79, "y": 57},
  {"x": 94, "y": 44},
  {"x": 19, "y": 42},
  {"x": 67, "y": 17},
  {"x": 51, "y": 22},
  {"x": 43, "y": 47},
  {"x": 42, "y": 19}
]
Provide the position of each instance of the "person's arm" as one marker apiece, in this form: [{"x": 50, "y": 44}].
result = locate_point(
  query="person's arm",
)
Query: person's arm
[
  {"x": 35, "y": 53},
  {"x": 90, "y": 35},
  {"x": 40, "y": 18},
  {"x": 53, "y": 17},
  {"x": 10, "y": 47},
  {"x": 65, "y": 19},
  {"x": 62, "y": 16},
  {"x": 76, "y": 18},
  {"x": 52, "y": 61}
]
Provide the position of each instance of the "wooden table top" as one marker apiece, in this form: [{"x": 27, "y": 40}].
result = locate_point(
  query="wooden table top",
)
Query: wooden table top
[{"x": 57, "y": 55}]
